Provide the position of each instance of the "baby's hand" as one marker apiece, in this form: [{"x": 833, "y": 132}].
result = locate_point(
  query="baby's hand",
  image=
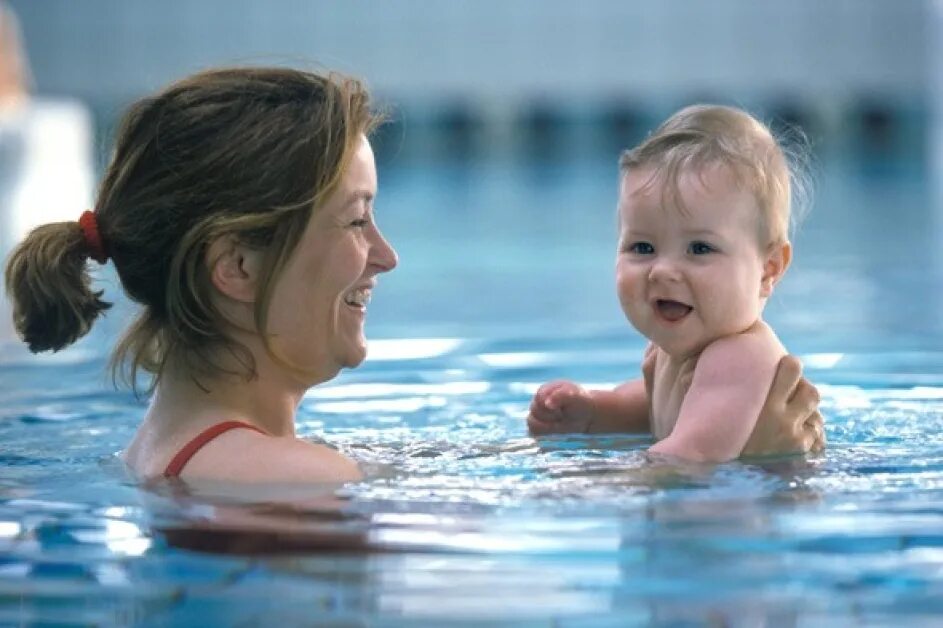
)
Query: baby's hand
[{"x": 560, "y": 407}]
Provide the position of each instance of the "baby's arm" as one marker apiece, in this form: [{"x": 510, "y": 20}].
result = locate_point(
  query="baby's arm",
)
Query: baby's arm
[
  {"x": 625, "y": 408},
  {"x": 564, "y": 407},
  {"x": 719, "y": 411}
]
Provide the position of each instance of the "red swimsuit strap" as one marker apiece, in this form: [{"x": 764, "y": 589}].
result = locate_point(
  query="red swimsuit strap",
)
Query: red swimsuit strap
[{"x": 187, "y": 451}]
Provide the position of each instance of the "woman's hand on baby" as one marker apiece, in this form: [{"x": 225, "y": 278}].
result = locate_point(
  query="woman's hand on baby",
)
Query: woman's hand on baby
[
  {"x": 789, "y": 421},
  {"x": 560, "y": 407}
]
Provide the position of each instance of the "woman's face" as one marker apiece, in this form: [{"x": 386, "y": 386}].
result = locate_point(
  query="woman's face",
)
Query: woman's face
[{"x": 317, "y": 312}]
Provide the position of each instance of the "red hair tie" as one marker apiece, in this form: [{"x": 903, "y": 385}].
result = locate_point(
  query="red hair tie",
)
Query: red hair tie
[{"x": 93, "y": 239}]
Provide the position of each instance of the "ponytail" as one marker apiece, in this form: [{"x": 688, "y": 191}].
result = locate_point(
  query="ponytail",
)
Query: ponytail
[{"x": 49, "y": 285}]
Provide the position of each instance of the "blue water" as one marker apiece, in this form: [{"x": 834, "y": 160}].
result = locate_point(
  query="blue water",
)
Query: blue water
[{"x": 505, "y": 281}]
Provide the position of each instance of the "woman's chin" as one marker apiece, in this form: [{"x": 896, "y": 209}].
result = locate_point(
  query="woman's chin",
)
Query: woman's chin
[{"x": 355, "y": 356}]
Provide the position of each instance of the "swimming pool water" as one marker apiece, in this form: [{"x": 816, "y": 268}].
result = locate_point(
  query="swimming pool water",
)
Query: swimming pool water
[{"x": 505, "y": 282}]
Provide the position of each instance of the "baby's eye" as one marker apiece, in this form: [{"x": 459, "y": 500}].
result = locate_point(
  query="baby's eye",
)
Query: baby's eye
[
  {"x": 700, "y": 248},
  {"x": 640, "y": 248}
]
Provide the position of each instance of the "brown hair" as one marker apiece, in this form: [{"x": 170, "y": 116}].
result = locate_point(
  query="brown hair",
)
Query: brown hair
[
  {"x": 246, "y": 151},
  {"x": 702, "y": 135}
]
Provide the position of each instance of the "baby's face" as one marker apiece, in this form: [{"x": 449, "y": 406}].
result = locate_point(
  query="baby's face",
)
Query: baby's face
[{"x": 688, "y": 276}]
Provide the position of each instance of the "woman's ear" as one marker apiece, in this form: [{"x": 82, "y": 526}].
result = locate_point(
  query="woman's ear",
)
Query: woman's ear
[
  {"x": 233, "y": 268},
  {"x": 777, "y": 261}
]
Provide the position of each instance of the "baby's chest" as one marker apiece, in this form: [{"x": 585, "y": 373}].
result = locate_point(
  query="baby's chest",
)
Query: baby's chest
[{"x": 668, "y": 391}]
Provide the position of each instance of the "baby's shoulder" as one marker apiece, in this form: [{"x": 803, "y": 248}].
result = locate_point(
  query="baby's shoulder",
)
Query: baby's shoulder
[
  {"x": 758, "y": 337},
  {"x": 756, "y": 348},
  {"x": 765, "y": 339}
]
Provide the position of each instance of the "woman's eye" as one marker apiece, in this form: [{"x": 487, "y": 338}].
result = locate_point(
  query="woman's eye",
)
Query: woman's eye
[
  {"x": 701, "y": 248},
  {"x": 360, "y": 223}
]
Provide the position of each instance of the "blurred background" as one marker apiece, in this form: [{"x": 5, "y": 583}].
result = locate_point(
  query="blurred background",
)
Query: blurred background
[
  {"x": 498, "y": 166},
  {"x": 490, "y": 75}
]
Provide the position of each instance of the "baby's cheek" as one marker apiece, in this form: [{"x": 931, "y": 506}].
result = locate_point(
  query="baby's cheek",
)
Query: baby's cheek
[
  {"x": 626, "y": 280},
  {"x": 733, "y": 310},
  {"x": 624, "y": 290},
  {"x": 631, "y": 296},
  {"x": 623, "y": 276}
]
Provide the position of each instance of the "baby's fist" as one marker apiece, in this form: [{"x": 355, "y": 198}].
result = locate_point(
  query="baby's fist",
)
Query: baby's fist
[{"x": 560, "y": 407}]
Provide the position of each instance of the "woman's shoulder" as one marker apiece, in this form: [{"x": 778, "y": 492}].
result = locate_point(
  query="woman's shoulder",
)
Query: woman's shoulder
[{"x": 249, "y": 456}]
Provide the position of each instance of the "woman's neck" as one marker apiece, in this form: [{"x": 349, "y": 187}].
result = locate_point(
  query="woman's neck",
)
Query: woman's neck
[{"x": 262, "y": 400}]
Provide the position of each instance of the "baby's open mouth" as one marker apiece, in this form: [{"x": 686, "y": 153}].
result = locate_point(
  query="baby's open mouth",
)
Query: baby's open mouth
[{"x": 672, "y": 311}]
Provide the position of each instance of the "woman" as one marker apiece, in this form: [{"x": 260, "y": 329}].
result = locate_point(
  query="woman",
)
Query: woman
[{"x": 238, "y": 212}]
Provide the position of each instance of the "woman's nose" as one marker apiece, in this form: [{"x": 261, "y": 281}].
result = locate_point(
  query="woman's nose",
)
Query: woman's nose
[{"x": 382, "y": 254}]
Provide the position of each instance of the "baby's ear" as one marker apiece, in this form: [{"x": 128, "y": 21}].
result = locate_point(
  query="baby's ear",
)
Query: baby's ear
[
  {"x": 233, "y": 268},
  {"x": 777, "y": 261}
]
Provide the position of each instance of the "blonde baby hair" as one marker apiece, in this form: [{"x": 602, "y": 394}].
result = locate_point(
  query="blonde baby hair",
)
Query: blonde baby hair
[{"x": 699, "y": 136}]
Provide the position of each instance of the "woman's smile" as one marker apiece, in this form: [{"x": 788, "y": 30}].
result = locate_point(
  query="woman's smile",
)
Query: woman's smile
[{"x": 358, "y": 298}]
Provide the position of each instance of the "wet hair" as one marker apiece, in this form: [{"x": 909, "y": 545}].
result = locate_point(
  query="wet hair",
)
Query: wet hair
[
  {"x": 244, "y": 152},
  {"x": 697, "y": 137}
]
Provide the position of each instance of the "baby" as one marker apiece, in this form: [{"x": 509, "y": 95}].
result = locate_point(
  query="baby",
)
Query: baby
[{"x": 704, "y": 211}]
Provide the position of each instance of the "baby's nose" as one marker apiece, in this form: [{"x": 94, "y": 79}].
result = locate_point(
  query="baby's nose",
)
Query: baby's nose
[{"x": 664, "y": 269}]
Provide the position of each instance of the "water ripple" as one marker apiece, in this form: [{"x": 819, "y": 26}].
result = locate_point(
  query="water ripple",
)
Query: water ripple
[{"x": 458, "y": 493}]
